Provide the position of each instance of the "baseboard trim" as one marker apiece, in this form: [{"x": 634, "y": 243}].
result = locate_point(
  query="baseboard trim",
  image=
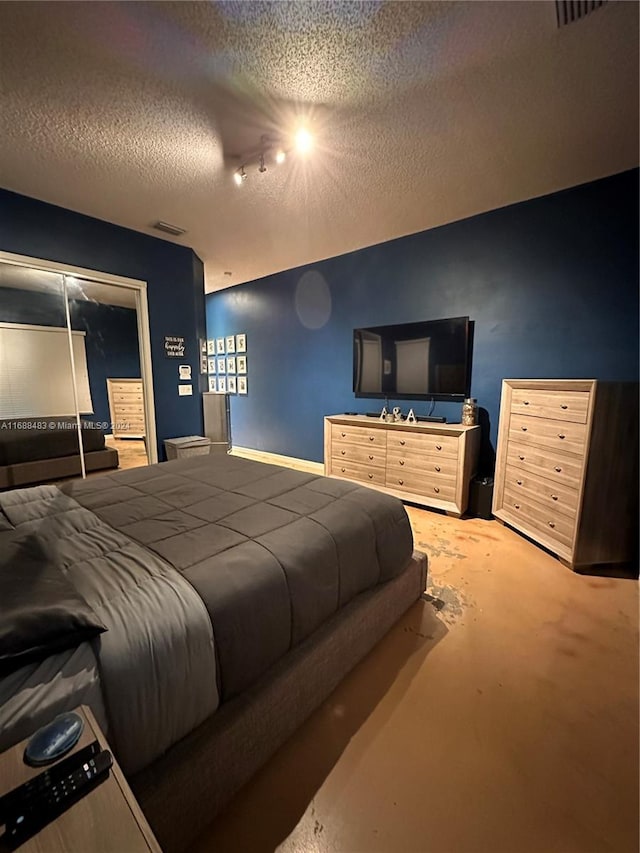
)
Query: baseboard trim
[{"x": 276, "y": 459}]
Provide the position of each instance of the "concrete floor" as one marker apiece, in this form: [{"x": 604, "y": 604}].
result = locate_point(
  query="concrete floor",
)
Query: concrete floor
[{"x": 500, "y": 715}]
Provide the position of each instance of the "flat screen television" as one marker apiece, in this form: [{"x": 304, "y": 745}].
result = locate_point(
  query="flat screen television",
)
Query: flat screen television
[{"x": 428, "y": 360}]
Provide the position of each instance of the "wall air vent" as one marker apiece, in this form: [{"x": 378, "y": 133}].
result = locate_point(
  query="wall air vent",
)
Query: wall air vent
[
  {"x": 568, "y": 11},
  {"x": 168, "y": 229}
]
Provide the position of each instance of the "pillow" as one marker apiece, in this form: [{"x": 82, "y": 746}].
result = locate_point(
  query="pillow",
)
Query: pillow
[{"x": 41, "y": 612}]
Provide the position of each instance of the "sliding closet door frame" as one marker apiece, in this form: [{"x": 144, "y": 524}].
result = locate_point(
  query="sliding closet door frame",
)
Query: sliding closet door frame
[{"x": 142, "y": 313}]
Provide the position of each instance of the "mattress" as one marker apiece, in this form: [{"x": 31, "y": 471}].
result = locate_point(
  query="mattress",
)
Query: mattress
[{"x": 207, "y": 571}]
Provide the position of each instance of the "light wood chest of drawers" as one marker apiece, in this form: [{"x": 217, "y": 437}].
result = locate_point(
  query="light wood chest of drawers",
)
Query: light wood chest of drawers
[
  {"x": 566, "y": 468},
  {"x": 126, "y": 407},
  {"x": 425, "y": 463}
]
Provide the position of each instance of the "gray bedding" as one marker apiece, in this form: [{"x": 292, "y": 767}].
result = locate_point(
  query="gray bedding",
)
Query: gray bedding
[{"x": 206, "y": 572}]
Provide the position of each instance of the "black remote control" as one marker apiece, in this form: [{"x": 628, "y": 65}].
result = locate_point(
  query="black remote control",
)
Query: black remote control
[{"x": 28, "y": 808}]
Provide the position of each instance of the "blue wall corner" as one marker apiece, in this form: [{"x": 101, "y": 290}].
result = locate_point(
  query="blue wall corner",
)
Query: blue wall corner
[{"x": 551, "y": 284}]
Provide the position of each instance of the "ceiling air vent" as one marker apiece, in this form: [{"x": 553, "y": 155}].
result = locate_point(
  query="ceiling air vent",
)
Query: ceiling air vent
[
  {"x": 169, "y": 229},
  {"x": 568, "y": 11}
]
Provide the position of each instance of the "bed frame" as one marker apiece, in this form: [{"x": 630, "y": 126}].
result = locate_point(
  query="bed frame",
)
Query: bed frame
[{"x": 183, "y": 790}]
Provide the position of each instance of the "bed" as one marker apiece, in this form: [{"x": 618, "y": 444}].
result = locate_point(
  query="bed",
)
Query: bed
[
  {"x": 235, "y": 596},
  {"x": 38, "y": 450}
]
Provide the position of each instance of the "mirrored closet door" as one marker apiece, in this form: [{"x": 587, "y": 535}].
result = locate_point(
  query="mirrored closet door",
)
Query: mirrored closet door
[{"x": 72, "y": 397}]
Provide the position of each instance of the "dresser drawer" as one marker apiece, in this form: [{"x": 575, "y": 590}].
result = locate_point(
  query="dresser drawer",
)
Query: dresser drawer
[
  {"x": 442, "y": 490},
  {"x": 558, "y": 435},
  {"x": 372, "y": 455},
  {"x": 558, "y": 405},
  {"x": 434, "y": 445},
  {"x": 355, "y": 471},
  {"x": 530, "y": 513},
  {"x": 439, "y": 468},
  {"x": 554, "y": 497},
  {"x": 357, "y": 435},
  {"x": 129, "y": 409},
  {"x": 556, "y": 466}
]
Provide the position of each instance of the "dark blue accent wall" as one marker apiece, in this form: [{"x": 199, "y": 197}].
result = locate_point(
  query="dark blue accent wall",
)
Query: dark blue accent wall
[
  {"x": 175, "y": 288},
  {"x": 551, "y": 284},
  {"x": 111, "y": 340}
]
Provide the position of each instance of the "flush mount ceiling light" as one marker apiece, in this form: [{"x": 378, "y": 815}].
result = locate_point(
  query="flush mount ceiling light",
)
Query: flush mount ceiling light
[{"x": 272, "y": 150}]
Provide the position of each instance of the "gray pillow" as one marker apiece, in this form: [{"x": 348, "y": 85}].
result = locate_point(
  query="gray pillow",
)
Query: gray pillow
[{"x": 41, "y": 612}]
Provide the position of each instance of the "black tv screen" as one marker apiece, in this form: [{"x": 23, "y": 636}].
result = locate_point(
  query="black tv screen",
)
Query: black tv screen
[{"x": 413, "y": 361}]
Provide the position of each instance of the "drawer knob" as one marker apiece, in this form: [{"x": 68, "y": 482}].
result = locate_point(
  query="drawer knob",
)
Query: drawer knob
[
  {"x": 560, "y": 435},
  {"x": 401, "y": 482},
  {"x": 436, "y": 489},
  {"x": 526, "y": 402},
  {"x": 524, "y": 429},
  {"x": 564, "y": 406},
  {"x": 517, "y": 506},
  {"x": 438, "y": 447},
  {"x": 370, "y": 476},
  {"x": 371, "y": 437},
  {"x": 554, "y": 497},
  {"x": 342, "y": 469},
  {"x": 343, "y": 434},
  {"x": 402, "y": 441},
  {"x": 402, "y": 461},
  {"x": 519, "y": 482},
  {"x": 343, "y": 452},
  {"x": 437, "y": 467},
  {"x": 370, "y": 456},
  {"x": 521, "y": 458},
  {"x": 558, "y": 469},
  {"x": 552, "y": 524}
]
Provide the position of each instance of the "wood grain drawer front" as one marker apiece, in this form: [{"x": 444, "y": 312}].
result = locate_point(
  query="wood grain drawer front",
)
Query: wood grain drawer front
[
  {"x": 531, "y": 513},
  {"x": 412, "y": 481},
  {"x": 558, "y": 467},
  {"x": 558, "y": 435},
  {"x": 358, "y": 435},
  {"x": 355, "y": 471},
  {"x": 434, "y": 445},
  {"x": 127, "y": 397},
  {"x": 374, "y": 456},
  {"x": 129, "y": 408},
  {"x": 558, "y": 405},
  {"x": 440, "y": 468},
  {"x": 555, "y": 497}
]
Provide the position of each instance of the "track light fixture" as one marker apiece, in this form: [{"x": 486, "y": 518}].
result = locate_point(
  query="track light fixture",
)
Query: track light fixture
[
  {"x": 239, "y": 176},
  {"x": 272, "y": 149}
]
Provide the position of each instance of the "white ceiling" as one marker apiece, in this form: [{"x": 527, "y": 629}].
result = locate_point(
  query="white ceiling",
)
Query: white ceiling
[{"x": 423, "y": 113}]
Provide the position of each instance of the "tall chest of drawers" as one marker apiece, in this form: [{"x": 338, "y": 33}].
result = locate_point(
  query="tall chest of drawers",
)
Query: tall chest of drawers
[
  {"x": 566, "y": 468},
  {"x": 426, "y": 463},
  {"x": 126, "y": 407}
]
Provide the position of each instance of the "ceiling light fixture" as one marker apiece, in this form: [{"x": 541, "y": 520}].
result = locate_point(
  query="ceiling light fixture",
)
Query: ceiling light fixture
[
  {"x": 271, "y": 149},
  {"x": 304, "y": 141}
]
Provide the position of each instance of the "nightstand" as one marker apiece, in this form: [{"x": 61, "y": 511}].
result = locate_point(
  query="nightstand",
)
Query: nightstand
[{"x": 107, "y": 820}]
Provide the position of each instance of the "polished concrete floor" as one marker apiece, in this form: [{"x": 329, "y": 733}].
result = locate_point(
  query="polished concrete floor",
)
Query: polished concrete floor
[{"x": 500, "y": 714}]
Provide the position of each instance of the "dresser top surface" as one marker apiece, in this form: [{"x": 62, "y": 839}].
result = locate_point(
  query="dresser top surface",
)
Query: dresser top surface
[{"x": 420, "y": 426}]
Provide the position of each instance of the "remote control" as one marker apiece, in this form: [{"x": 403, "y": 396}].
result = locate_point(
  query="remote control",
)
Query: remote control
[{"x": 34, "y": 804}]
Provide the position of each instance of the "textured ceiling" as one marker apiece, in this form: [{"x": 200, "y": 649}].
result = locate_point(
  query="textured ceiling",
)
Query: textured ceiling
[{"x": 423, "y": 113}]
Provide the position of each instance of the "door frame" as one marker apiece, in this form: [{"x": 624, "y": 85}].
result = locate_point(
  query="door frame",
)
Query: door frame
[{"x": 142, "y": 314}]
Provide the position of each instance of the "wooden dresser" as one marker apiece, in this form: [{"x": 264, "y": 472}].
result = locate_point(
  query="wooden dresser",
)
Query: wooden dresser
[
  {"x": 428, "y": 464},
  {"x": 126, "y": 407},
  {"x": 566, "y": 469}
]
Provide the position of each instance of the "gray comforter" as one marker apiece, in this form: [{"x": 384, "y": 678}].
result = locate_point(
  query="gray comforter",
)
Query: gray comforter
[{"x": 206, "y": 571}]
